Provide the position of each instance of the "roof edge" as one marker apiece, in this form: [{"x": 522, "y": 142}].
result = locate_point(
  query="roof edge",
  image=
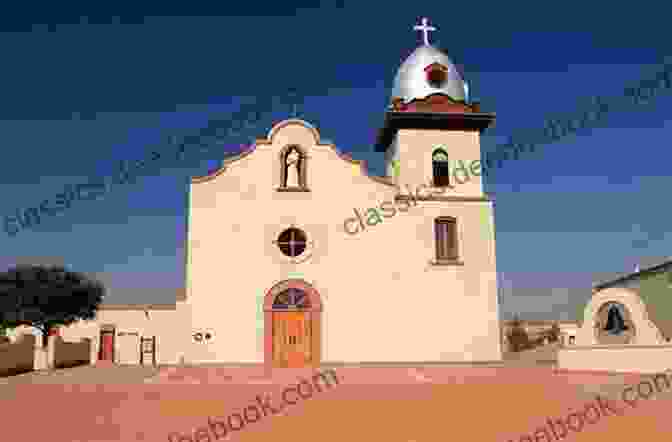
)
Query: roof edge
[
  {"x": 631, "y": 276},
  {"x": 476, "y": 121}
]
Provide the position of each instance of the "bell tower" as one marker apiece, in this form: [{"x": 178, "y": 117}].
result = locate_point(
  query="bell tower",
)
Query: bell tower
[
  {"x": 431, "y": 139},
  {"x": 431, "y": 133}
]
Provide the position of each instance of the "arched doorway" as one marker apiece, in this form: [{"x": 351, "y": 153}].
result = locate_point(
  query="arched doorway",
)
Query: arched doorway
[{"x": 292, "y": 319}]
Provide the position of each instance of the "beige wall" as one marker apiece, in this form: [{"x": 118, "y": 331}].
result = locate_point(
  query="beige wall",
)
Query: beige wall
[
  {"x": 383, "y": 299},
  {"x": 647, "y": 353},
  {"x": 68, "y": 354},
  {"x": 568, "y": 334},
  {"x": 569, "y": 328},
  {"x": 169, "y": 326},
  {"x": 414, "y": 152},
  {"x": 617, "y": 358},
  {"x": 646, "y": 331},
  {"x": 18, "y": 356},
  {"x": 16, "y": 333}
]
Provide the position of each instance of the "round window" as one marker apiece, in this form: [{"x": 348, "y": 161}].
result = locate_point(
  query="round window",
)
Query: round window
[{"x": 292, "y": 242}]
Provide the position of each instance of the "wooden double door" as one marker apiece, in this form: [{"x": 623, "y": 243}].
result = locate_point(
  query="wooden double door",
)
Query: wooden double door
[{"x": 292, "y": 339}]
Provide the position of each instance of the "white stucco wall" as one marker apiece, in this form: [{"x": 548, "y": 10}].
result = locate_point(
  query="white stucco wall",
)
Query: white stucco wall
[
  {"x": 171, "y": 328},
  {"x": 616, "y": 358},
  {"x": 383, "y": 299},
  {"x": 647, "y": 353}
]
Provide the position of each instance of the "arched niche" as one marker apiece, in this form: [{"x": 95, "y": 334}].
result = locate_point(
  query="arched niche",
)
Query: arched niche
[
  {"x": 613, "y": 325},
  {"x": 641, "y": 331}
]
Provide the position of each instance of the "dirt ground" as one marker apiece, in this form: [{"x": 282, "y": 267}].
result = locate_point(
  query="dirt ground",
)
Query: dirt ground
[{"x": 392, "y": 404}]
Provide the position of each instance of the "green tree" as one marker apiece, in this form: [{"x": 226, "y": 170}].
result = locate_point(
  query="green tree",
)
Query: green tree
[
  {"x": 44, "y": 297},
  {"x": 3, "y": 333}
]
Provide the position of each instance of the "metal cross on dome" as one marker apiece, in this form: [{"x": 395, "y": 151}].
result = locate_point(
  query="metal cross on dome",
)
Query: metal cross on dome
[
  {"x": 425, "y": 28},
  {"x": 293, "y": 98}
]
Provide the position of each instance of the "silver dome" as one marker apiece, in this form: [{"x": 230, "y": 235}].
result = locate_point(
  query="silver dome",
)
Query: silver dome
[{"x": 411, "y": 80}]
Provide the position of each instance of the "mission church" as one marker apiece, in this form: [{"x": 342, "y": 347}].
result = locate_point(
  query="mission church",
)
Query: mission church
[{"x": 274, "y": 277}]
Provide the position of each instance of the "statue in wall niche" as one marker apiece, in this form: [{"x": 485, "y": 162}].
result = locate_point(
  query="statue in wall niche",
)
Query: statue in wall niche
[
  {"x": 293, "y": 168},
  {"x": 615, "y": 323},
  {"x": 614, "y": 326}
]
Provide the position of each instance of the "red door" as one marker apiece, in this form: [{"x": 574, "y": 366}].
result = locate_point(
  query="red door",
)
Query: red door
[
  {"x": 106, "y": 346},
  {"x": 291, "y": 339}
]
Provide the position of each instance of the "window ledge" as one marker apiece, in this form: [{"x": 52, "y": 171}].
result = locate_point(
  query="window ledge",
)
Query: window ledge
[
  {"x": 447, "y": 262},
  {"x": 293, "y": 189}
]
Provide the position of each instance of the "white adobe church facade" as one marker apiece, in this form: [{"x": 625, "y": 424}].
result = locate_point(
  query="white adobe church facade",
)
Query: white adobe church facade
[{"x": 281, "y": 270}]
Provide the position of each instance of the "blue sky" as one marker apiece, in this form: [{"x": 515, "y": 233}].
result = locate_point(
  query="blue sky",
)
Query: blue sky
[{"x": 82, "y": 94}]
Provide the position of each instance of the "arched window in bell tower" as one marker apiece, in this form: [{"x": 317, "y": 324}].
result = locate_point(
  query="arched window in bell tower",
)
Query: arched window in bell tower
[{"x": 441, "y": 171}]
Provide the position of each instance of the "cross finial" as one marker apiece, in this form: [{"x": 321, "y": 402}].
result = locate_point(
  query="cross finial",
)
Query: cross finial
[
  {"x": 425, "y": 28},
  {"x": 292, "y": 94}
]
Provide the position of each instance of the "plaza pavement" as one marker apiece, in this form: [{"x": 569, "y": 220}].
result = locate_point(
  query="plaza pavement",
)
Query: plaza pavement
[{"x": 394, "y": 404}]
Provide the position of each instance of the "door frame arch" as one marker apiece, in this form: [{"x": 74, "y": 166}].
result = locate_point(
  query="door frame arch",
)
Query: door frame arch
[{"x": 314, "y": 313}]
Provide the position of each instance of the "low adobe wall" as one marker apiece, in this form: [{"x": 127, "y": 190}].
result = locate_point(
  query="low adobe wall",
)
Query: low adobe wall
[
  {"x": 616, "y": 358},
  {"x": 18, "y": 357},
  {"x": 71, "y": 354}
]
